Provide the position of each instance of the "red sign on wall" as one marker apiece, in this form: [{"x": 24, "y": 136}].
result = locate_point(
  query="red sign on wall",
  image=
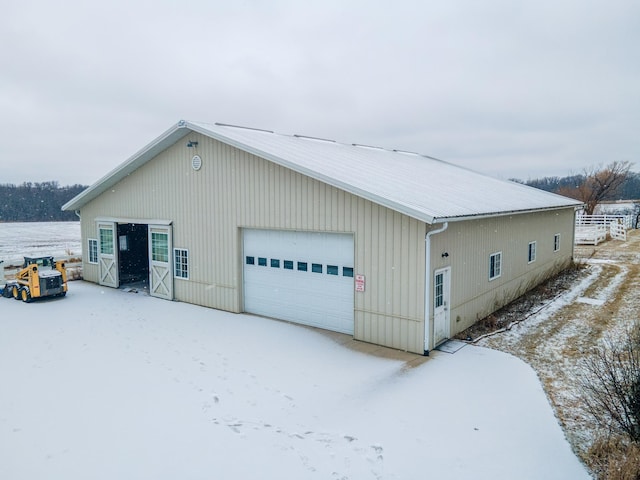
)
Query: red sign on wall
[{"x": 359, "y": 283}]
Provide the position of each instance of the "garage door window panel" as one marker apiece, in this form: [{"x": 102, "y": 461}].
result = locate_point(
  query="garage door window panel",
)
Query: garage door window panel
[{"x": 316, "y": 267}]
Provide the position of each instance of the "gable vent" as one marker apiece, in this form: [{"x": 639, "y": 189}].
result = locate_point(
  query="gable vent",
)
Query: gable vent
[{"x": 196, "y": 162}]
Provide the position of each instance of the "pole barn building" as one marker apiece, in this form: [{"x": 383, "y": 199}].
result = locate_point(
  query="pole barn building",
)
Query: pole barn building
[{"x": 394, "y": 248}]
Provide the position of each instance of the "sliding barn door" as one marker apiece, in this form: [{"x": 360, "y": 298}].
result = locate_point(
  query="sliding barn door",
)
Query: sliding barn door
[
  {"x": 108, "y": 254},
  {"x": 160, "y": 262}
]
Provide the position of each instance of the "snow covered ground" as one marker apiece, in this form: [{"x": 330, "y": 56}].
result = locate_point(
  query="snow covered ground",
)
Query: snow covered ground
[
  {"x": 558, "y": 333},
  {"x": 60, "y": 239},
  {"x": 105, "y": 384}
]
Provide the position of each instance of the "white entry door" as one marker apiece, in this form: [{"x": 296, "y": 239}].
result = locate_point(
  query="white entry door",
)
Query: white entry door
[
  {"x": 108, "y": 254},
  {"x": 302, "y": 277},
  {"x": 441, "y": 294},
  {"x": 160, "y": 258}
]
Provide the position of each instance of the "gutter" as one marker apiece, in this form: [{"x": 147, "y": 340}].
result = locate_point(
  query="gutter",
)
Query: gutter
[
  {"x": 481, "y": 216},
  {"x": 427, "y": 283}
]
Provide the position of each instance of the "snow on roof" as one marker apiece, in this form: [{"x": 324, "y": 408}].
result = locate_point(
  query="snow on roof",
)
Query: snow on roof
[{"x": 417, "y": 185}]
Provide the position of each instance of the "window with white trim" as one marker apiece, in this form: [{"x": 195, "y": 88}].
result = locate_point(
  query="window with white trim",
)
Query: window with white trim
[
  {"x": 556, "y": 242},
  {"x": 181, "y": 263},
  {"x": 532, "y": 252},
  {"x": 93, "y": 250},
  {"x": 495, "y": 265}
]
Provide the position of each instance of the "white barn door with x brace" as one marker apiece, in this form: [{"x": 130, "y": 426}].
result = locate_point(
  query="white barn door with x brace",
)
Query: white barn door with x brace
[
  {"x": 108, "y": 254},
  {"x": 160, "y": 261}
]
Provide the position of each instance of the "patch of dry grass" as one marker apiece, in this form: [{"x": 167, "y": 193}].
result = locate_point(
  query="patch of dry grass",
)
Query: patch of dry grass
[
  {"x": 527, "y": 304},
  {"x": 612, "y": 458}
]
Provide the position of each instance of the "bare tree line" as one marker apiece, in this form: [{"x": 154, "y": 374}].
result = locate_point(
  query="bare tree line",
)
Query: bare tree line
[
  {"x": 595, "y": 185},
  {"x": 36, "y": 202}
]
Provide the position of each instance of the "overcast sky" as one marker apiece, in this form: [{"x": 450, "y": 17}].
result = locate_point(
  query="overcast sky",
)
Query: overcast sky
[{"x": 520, "y": 89}]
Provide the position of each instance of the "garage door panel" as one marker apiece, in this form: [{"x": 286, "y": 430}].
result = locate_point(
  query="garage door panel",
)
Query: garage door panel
[{"x": 318, "y": 299}]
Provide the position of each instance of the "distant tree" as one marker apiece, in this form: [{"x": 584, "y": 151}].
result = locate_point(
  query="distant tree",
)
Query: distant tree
[
  {"x": 36, "y": 202},
  {"x": 598, "y": 185},
  {"x": 631, "y": 187}
]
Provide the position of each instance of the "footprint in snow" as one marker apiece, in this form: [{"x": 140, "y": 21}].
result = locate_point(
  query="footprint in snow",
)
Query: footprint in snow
[{"x": 377, "y": 448}]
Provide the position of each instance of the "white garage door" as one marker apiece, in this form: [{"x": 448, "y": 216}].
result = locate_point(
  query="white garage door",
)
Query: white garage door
[{"x": 301, "y": 277}]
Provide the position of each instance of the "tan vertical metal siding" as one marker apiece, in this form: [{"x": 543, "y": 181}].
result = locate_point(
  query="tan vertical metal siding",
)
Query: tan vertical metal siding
[
  {"x": 235, "y": 190},
  {"x": 469, "y": 245}
]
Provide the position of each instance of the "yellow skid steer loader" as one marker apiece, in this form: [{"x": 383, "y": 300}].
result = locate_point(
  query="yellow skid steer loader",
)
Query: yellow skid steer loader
[{"x": 39, "y": 277}]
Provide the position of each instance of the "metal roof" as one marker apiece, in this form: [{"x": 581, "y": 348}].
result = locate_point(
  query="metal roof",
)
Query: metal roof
[{"x": 417, "y": 185}]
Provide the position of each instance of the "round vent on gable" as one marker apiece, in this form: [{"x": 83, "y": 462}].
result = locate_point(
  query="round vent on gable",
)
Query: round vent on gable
[{"x": 196, "y": 162}]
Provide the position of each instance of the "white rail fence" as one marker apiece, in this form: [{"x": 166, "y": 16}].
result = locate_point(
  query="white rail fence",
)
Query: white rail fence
[
  {"x": 618, "y": 231},
  {"x": 606, "y": 220},
  {"x": 593, "y": 229},
  {"x": 590, "y": 234}
]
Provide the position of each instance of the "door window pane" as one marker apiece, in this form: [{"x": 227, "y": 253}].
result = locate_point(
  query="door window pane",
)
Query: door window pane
[
  {"x": 439, "y": 290},
  {"x": 159, "y": 247},
  {"x": 106, "y": 241},
  {"x": 316, "y": 267},
  {"x": 302, "y": 266}
]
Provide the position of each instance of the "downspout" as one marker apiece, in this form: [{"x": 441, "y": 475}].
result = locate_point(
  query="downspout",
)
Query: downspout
[
  {"x": 77, "y": 212},
  {"x": 427, "y": 283}
]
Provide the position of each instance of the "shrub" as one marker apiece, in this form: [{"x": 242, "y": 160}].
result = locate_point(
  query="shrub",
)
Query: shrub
[
  {"x": 610, "y": 383},
  {"x": 612, "y": 458}
]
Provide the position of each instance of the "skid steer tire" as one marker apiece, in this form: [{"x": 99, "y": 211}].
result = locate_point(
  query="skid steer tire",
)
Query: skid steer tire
[
  {"x": 25, "y": 295},
  {"x": 15, "y": 292}
]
